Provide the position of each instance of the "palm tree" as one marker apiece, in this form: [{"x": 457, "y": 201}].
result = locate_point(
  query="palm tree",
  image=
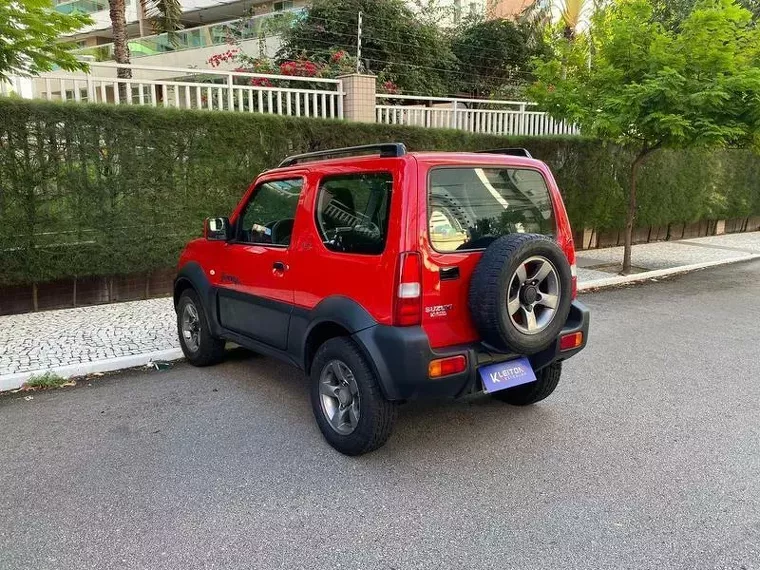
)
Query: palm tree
[
  {"x": 164, "y": 16},
  {"x": 574, "y": 15}
]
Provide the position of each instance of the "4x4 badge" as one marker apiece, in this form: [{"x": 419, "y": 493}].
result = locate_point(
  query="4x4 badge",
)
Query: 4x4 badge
[
  {"x": 438, "y": 310},
  {"x": 227, "y": 278}
]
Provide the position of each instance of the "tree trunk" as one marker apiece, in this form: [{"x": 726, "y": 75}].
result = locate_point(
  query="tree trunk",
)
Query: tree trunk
[
  {"x": 120, "y": 46},
  {"x": 631, "y": 215}
]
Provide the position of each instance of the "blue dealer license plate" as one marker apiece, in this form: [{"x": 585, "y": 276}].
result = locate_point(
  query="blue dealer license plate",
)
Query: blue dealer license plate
[{"x": 506, "y": 374}]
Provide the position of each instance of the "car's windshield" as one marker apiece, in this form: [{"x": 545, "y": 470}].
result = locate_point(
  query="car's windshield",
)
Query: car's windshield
[{"x": 470, "y": 207}]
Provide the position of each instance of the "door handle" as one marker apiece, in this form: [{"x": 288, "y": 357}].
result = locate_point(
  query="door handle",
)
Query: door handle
[
  {"x": 448, "y": 273},
  {"x": 279, "y": 266}
]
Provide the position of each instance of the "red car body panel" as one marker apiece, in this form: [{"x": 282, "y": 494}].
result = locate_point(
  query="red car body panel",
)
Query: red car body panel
[{"x": 313, "y": 273}]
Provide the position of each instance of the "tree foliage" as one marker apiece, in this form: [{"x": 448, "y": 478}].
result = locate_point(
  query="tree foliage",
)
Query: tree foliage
[
  {"x": 671, "y": 13},
  {"x": 405, "y": 45},
  {"x": 396, "y": 45},
  {"x": 651, "y": 87},
  {"x": 92, "y": 190},
  {"x": 29, "y": 34},
  {"x": 492, "y": 54}
]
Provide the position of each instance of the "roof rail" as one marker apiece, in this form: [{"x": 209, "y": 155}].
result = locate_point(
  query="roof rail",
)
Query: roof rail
[
  {"x": 511, "y": 151},
  {"x": 385, "y": 150}
]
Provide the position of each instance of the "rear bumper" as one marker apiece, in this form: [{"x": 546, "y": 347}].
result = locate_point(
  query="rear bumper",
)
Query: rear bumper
[{"x": 401, "y": 356}]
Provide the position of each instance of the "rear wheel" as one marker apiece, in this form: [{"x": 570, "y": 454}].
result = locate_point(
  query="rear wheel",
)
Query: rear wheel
[
  {"x": 198, "y": 345},
  {"x": 526, "y": 394},
  {"x": 350, "y": 409}
]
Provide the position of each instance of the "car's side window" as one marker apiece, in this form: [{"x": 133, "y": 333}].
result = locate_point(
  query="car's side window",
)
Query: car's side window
[
  {"x": 352, "y": 212},
  {"x": 269, "y": 215}
]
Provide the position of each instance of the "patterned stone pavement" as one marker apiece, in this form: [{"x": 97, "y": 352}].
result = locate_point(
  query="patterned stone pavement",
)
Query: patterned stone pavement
[
  {"x": 665, "y": 255},
  {"x": 54, "y": 339},
  {"x": 51, "y": 339}
]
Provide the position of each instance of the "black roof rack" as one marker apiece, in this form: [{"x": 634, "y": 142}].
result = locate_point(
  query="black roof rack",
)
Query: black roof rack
[
  {"x": 385, "y": 150},
  {"x": 511, "y": 151}
]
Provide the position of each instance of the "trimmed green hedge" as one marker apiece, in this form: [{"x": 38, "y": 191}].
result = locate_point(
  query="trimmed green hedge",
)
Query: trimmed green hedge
[{"x": 105, "y": 190}]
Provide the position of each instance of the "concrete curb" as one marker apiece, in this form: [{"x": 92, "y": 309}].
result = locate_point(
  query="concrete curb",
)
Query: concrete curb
[
  {"x": 617, "y": 280},
  {"x": 14, "y": 381}
]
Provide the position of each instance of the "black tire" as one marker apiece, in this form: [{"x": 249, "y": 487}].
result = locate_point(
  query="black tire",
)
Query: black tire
[
  {"x": 377, "y": 415},
  {"x": 527, "y": 394},
  {"x": 210, "y": 350},
  {"x": 489, "y": 290}
]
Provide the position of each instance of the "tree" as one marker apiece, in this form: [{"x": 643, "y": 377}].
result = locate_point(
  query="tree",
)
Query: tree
[
  {"x": 396, "y": 44},
  {"x": 491, "y": 54},
  {"x": 672, "y": 12},
  {"x": 572, "y": 16},
  {"x": 29, "y": 32},
  {"x": 164, "y": 16},
  {"x": 650, "y": 88}
]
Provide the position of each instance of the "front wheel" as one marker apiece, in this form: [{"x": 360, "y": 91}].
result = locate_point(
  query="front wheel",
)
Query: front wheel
[
  {"x": 526, "y": 394},
  {"x": 198, "y": 345},
  {"x": 351, "y": 411}
]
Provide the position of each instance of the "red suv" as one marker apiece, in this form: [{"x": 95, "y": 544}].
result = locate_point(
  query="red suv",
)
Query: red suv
[{"x": 387, "y": 276}]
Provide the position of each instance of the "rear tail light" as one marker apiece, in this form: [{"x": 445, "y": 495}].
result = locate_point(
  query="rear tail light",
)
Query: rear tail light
[
  {"x": 574, "y": 280},
  {"x": 408, "y": 304},
  {"x": 445, "y": 366},
  {"x": 570, "y": 341}
]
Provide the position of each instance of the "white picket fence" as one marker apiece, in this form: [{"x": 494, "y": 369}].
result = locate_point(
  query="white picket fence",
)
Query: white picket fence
[
  {"x": 189, "y": 88},
  {"x": 197, "y": 89},
  {"x": 472, "y": 115}
]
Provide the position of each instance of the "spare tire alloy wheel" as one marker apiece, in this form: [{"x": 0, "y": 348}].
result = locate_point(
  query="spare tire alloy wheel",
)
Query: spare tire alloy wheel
[
  {"x": 520, "y": 293},
  {"x": 534, "y": 295}
]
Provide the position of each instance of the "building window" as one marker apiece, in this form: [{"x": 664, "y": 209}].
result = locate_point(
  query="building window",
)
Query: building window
[{"x": 283, "y": 5}]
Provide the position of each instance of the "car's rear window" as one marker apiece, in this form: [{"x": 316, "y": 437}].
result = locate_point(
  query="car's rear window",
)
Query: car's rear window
[{"x": 470, "y": 207}]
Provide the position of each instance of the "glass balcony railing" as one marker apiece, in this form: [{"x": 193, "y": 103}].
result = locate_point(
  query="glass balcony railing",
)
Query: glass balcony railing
[
  {"x": 203, "y": 36},
  {"x": 84, "y": 6}
]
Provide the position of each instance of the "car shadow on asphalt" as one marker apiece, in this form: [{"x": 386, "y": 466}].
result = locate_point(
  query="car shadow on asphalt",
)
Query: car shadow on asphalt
[{"x": 424, "y": 429}]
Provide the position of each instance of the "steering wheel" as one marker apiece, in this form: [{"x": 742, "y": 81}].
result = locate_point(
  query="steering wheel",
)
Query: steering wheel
[
  {"x": 281, "y": 231},
  {"x": 335, "y": 239}
]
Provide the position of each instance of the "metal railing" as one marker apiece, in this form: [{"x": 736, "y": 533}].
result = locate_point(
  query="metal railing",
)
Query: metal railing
[
  {"x": 472, "y": 115},
  {"x": 198, "y": 89}
]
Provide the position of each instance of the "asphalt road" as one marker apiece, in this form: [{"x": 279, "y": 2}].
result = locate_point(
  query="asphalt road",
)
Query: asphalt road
[{"x": 647, "y": 456}]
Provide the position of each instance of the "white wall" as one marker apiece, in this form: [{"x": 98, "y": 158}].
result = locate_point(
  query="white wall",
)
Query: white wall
[{"x": 102, "y": 19}]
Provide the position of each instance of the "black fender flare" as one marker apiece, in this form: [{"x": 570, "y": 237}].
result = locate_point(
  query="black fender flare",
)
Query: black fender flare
[
  {"x": 337, "y": 309},
  {"x": 389, "y": 358},
  {"x": 192, "y": 274}
]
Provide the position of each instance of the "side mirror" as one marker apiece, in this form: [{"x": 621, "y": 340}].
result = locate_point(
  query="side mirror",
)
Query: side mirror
[{"x": 217, "y": 229}]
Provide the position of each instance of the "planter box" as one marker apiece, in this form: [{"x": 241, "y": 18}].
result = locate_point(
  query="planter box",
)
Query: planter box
[{"x": 61, "y": 294}]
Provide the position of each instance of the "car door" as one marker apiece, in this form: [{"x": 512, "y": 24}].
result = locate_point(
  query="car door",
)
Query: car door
[
  {"x": 350, "y": 238},
  {"x": 256, "y": 290}
]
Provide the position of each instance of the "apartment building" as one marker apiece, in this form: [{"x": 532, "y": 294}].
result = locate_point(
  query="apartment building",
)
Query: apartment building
[{"x": 207, "y": 25}]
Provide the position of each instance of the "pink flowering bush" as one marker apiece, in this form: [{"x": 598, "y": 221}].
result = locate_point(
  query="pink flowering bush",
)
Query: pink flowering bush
[
  {"x": 338, "y": 62},
  {"x": 225, "y": 57}
]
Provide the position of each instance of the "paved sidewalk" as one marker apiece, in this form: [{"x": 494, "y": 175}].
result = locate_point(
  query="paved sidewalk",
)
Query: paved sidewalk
[{"x": 110, "y": 337}]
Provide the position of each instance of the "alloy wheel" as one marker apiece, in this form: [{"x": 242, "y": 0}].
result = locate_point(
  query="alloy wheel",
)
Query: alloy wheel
[
  {"x": 533, "y": 295},
  {"x": 191, "y": 327},
  {"x": 339, "y": 397}
]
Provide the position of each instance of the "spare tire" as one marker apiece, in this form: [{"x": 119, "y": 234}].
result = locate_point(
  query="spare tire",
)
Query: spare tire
[{"x": 520, "y": 293}]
